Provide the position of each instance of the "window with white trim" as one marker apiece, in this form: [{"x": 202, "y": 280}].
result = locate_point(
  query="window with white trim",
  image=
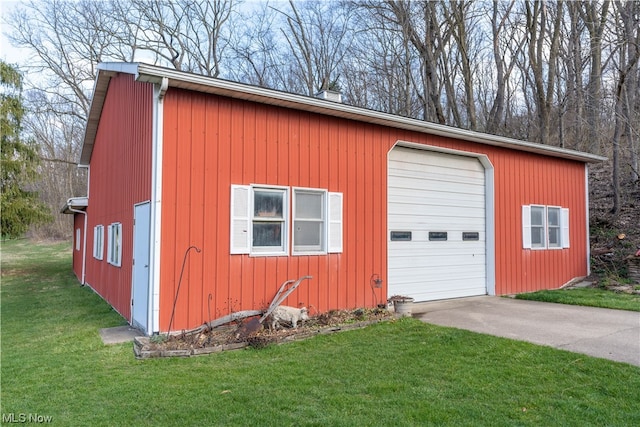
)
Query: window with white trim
[
  {"x": 77, "y": 239},
  {"x": 263, "y": 218},
  {"x": 545, "y": 227},
  {"x": 268, "y": 220},
  {"x": 553, "y": 227},
  {"x": 98, "y": 241},
  {"x": 114, "y": 244},
  {"x": 309, "y": 213}
]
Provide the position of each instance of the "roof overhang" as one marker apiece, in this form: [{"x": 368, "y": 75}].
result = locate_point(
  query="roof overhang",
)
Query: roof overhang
[
  {"x": 199, "y": 83},
  {"x": 75, "y": 204}
]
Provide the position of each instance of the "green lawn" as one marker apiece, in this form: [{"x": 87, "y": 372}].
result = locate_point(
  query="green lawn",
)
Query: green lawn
[
  {"x": 593, "y": 297},
  {"x": 401, "y": 373}
]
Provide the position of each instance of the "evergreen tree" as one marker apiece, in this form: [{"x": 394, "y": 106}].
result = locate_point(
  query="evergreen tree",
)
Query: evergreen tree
[{"x": 19, "y": 206}]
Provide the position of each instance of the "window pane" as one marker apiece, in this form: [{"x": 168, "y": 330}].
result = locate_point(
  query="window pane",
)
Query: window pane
[
  {"x": 268, "y": 204},
  {"x": 553, "y": 224},
  {"x": 308, "y": 205},
  {"x": 267, "y": 234},
  {"x": 537, "y": 237},
  {"x": 537, "y": 216},
  {"x": 308, "y": 233},
  {"x": 554, "y": 216}
]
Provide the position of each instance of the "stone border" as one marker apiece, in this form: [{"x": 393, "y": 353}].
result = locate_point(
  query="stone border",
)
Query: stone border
[{"x": 142, "y": 351}]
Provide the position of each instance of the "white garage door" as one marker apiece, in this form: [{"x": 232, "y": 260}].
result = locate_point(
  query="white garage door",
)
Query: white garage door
[{"x": 436, "y": 219}]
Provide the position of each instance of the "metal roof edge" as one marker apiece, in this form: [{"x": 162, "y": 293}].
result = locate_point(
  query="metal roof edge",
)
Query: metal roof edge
[
  {"x": 180, "y": 79},
  {"x": 76, "y": 203}
]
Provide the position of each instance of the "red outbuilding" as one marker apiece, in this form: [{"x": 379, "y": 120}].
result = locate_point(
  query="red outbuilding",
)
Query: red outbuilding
[{"x": 205, "y": 195}]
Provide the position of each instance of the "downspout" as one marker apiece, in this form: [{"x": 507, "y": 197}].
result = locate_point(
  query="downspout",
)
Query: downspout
[
  {"x": 84, "y": 240},
  {"x": 163, "y": 89},
  {"x": 153, "y": 320},
  {"x": 587, "y": 213}
]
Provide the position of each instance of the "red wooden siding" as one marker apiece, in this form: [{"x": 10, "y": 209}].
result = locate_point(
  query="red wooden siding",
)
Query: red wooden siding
[
  {"x": 78, "y": 223},
  {"x": 120, "y": 177},
  {"x": 212, "y": 142}
]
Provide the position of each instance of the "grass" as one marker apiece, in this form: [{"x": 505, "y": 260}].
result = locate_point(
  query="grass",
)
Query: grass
[
  {"x": 400, "y": 373},
  {"x": 593, "y": 297}
]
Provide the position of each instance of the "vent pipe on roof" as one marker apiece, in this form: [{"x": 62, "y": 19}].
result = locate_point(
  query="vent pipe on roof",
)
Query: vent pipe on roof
[{"x": 330, "y": 95}]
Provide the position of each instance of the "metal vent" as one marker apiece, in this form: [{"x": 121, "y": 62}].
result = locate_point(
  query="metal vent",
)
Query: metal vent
[{"x": 330, "y": 95}]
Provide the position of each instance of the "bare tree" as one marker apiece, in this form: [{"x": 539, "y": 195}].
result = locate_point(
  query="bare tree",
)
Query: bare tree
[
  {"x": 318, "y": 36},
  {"x": 595, "y": 20},
  {"x": 543, "y": 49},
  {"x": 463, "y": 19},
  {"x": 183, "y": 34},
  {"x": 420, "y": 24},
  {"x": 379, "y": 73},
  {"x": 257, "y": 58},
  {"x": 629, "y": 54}
]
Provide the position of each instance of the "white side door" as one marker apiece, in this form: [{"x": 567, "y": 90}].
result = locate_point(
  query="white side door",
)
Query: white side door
[{"x": 140, "y": 274}]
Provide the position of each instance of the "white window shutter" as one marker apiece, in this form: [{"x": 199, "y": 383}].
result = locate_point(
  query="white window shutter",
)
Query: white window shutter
[
  {"x": 240, "y": 219},
  {"x": 95, "y": 242},
  {"x": 526, "y": 227},
  {"x": 118, "y": 244},
  {"x": 110, "y": 243},
  {"x": 335, "y": 223},
  {"x": 564, "y": 223}
]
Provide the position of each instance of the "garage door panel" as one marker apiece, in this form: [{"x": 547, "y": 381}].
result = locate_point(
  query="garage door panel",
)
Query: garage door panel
[
  {"x": 447, "y": 199},
  {"x": 443, "y": 222},
  {"x": 413, "y": 157},
  {"x": 431, "y": 186},
  {"x": 426, "y": 285},
  {"x": 437, "y": 176},
  {"x": 451, "y": 292},
  {"x": 436, "y": 192},
  {"x": 473, "y": 267},
  {"x": 418, "y": 249}
]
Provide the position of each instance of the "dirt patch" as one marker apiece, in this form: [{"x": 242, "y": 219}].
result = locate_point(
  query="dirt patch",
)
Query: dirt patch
[{"x": 229, "y": 337}]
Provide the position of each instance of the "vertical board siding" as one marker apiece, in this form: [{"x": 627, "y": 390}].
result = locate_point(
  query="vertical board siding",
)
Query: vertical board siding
[
  {"x": 120, "y": 178},
  {"x": 78, "y": 223},
  {"x": 212, "y": 142}
]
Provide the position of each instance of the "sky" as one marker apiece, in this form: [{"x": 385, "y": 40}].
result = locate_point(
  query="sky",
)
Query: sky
[{"x": 8, "y": 53}]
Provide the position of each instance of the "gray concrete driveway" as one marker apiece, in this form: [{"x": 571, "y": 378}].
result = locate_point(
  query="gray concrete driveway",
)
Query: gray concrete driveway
[{"x": 598, "y": 332}]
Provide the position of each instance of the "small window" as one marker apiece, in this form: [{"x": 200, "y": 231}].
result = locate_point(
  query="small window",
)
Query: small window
[
  {"x": 400, "y": 236},
  {"x": 438, "y": 236},
  {"x": 77, "y": 239},
  {"x": 468, "y": 236},
  {"x": 114, "y": 244},
  {"x": 309, "y": 215},
  {"x": 538, "y": 238},
  {"x": 553, "y": 227},
  {"x": 268, "y": 221},
  {"x": 545, "y": 227},
  {"x": 98, "y": 242}
]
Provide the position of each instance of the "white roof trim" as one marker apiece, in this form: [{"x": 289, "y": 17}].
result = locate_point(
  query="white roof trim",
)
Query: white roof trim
[{"x": 200, "y": 83}]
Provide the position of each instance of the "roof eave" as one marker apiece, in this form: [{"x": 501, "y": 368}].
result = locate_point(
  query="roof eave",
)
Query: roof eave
[
  {"x": 179, "y": 79},
  {"x": 200, "y": 83},
  {"x": 75, "y": 204}
]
